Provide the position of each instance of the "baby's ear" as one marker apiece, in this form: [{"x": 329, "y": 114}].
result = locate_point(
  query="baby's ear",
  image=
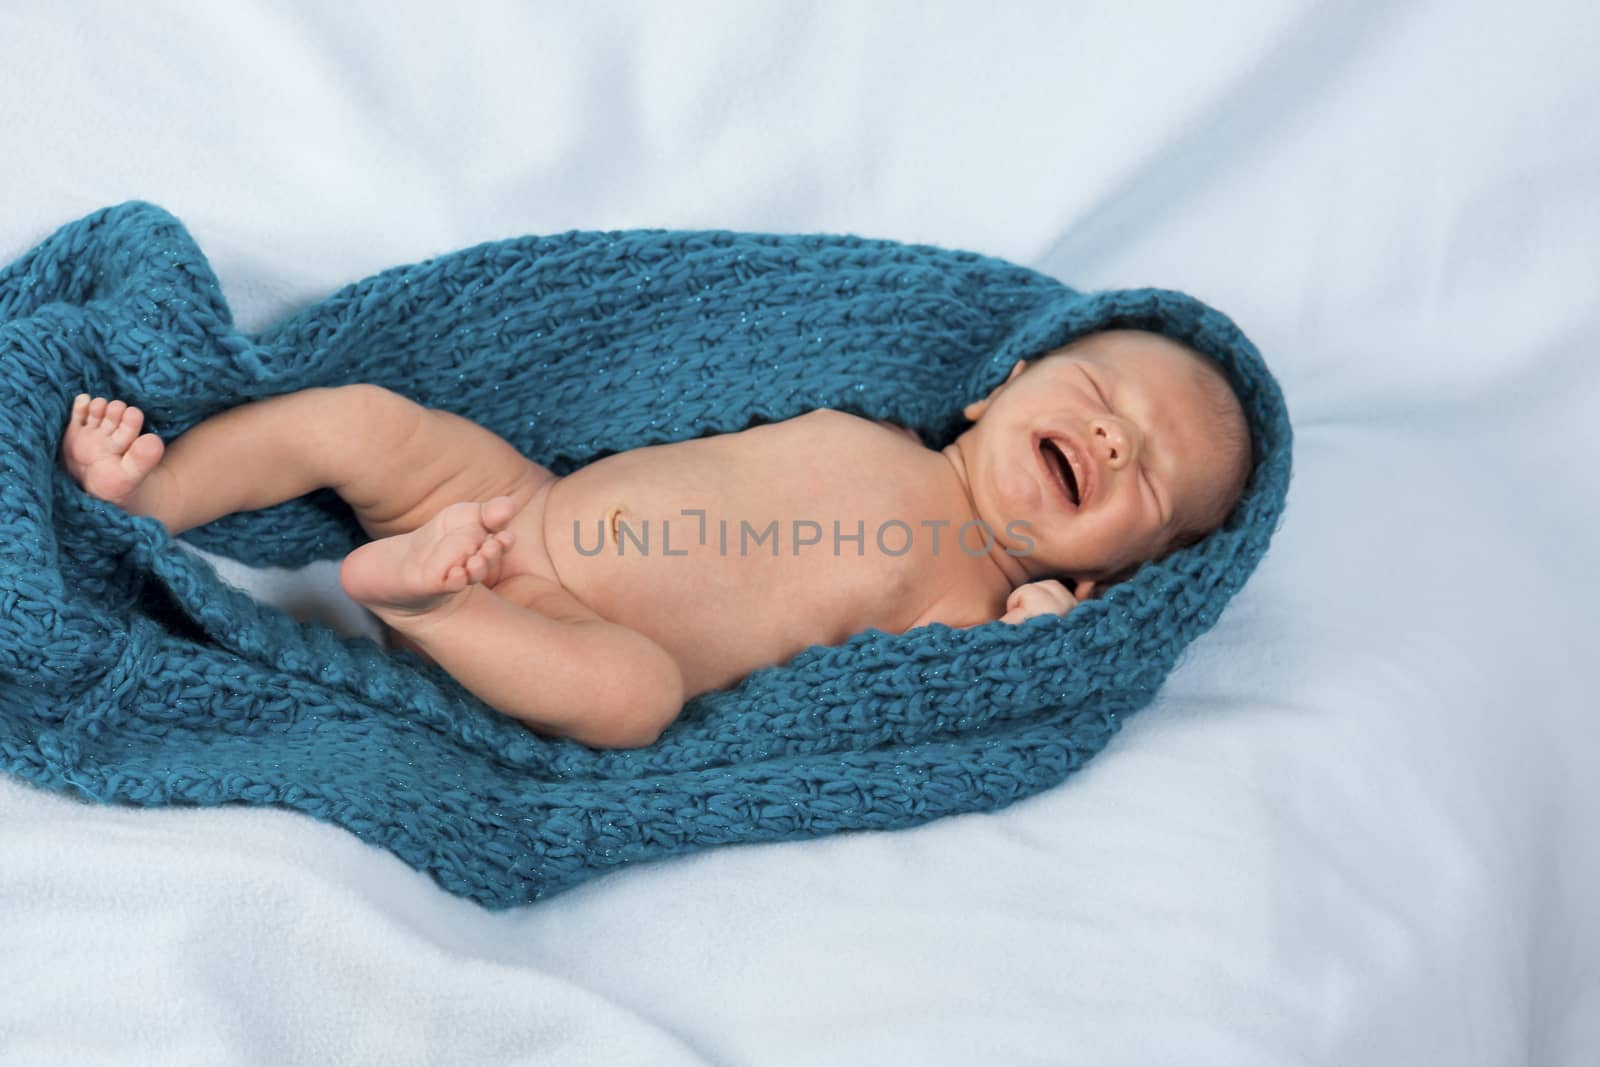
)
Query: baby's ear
[{"x": 974, "y": 411}]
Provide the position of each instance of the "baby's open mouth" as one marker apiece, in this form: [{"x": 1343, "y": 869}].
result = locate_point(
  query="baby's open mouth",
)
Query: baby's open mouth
[{"x": 1055, "y": 462}]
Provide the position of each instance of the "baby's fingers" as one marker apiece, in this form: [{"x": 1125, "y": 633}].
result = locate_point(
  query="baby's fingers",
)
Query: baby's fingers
[{"x": 1048, "y": 597}]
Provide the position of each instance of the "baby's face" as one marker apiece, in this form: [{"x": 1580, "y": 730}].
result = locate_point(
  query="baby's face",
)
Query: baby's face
[{"x": 1111, "y": 449}]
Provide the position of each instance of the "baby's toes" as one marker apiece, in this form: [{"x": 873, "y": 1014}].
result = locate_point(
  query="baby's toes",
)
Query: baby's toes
[
  {"x": 113, "y": 415},
  {"x": 96, "y": 412},
  {"x": 143, "y": 455},
  {"x": 126, "y": 430},
  {"x": 81, "y": 445},
  {"x": 497, "y": 511},
  {"x": 449, "y": 555},
  {"x": 492, "y": 549}
]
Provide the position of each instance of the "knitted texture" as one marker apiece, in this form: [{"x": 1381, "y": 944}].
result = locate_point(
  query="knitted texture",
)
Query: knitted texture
[{"x": 130, "y": 673}]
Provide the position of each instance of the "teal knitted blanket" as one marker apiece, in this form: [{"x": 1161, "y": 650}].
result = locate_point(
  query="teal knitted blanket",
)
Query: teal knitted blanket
[{"x": 130, "y": 673}]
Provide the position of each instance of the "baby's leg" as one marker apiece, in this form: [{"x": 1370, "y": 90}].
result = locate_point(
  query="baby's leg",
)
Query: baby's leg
[
  {"x": 527, "y": 648},
  {"x": 395, "y": 462},
  {"x": 252, "y": 456}
]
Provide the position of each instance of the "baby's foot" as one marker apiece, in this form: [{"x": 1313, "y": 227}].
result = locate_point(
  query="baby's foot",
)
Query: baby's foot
[
  {"x": 104, "y": 450},
  {"x": 415, "y": 573}
]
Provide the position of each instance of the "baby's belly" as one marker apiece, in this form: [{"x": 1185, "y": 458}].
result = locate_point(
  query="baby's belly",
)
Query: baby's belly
[{"x": 726, "y": 566}]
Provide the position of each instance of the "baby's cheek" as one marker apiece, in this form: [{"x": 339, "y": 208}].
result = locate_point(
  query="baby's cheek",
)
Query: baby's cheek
[{"x": 1015, "y": 489}]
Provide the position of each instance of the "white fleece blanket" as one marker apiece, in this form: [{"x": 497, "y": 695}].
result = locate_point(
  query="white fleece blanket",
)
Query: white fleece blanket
[{"x": 1357, "y": 825}]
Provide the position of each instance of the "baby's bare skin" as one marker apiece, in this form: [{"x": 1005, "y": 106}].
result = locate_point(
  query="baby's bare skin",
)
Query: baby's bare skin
[
  {"x": 592, "y": 606},
  {"x": 741, "y": 600}
]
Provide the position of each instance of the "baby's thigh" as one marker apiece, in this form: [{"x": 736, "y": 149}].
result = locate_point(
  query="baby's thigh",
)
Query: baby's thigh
[{"x": 417, "y": 460}]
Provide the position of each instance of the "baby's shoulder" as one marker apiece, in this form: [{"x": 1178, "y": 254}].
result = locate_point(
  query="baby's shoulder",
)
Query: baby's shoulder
[{"x": 834, "y": 419}]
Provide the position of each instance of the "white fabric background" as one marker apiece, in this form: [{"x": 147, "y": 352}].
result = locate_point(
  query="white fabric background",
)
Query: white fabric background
[{"x": 1357, "y": 826}]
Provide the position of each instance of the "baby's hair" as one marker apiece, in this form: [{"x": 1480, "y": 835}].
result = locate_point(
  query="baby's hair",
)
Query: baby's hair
[{"x": 1233, "y": 434}]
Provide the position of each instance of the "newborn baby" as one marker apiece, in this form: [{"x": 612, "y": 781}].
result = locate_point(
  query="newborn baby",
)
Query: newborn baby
[{"x": 593, "y": 606}]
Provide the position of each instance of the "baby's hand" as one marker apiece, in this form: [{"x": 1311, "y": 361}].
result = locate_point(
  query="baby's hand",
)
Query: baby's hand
[{"x": 1048, "y": 597}]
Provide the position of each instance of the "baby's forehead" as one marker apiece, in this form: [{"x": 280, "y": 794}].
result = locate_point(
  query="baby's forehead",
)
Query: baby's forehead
[{"x": 1133, "y": 347}]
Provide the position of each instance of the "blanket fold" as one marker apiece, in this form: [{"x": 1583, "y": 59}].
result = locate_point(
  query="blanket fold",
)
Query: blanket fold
[{"x": 131, "y": 673}]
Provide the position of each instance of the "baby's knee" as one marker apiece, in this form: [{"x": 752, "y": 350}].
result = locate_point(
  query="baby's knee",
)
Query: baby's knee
[
  {"x": 359, "y": 430},
  {"x": 375, "y": 408},
  {"x": 637, "y": 700}
]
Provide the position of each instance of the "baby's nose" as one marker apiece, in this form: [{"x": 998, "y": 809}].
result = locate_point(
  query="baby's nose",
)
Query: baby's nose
[{"x": 1116, "y": 442}]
